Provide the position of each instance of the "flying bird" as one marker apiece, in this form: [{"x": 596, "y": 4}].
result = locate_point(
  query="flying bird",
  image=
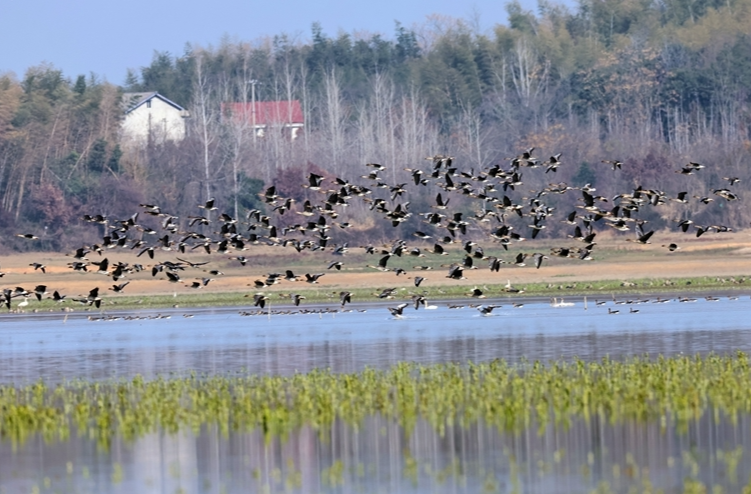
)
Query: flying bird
[{"x": 398, "y": 310}]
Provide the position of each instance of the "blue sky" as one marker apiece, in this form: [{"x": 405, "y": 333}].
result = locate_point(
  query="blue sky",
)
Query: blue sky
[{"x": 84, "y": 36}]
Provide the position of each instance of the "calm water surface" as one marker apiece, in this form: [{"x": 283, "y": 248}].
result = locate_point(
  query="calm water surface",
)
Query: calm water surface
[
  {"x": 378, "y": 456},
  {"x": 381, "y": 457},
  {"x": 217, "y": 341}
]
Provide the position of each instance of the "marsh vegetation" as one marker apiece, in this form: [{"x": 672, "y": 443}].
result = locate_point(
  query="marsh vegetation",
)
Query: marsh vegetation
[
  {"x": 511, "y": 398},
  {"x": 493, "y": 427}
]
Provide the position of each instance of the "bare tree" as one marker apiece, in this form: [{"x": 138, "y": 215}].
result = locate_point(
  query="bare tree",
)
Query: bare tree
[
  {"x": 530, "y": 78},
  {"x": 206, "y": 116},
  {"x": 334, "y": 119},
  {"x": 473, "y": 136},
  {"x": 417, "y": 134},
  {"x": 238, "y": 133},
  {"x": 306, "y": 108}
]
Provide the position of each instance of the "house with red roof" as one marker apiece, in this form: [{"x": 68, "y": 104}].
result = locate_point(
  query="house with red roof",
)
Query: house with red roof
[{"x": 263, "y": 116}]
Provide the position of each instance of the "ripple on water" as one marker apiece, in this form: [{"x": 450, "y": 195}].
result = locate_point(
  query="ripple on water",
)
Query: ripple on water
[{"x": 217, "y": 341}]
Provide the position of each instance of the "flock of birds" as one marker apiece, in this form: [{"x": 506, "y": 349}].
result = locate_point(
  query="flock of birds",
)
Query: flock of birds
[
  {"x": 469, "y": 208},
  {"x": 398, "y": 311}
]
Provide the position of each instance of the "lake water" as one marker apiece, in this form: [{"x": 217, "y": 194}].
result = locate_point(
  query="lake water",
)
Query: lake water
[
  {"x": 216, "y": 341},
  {"x": 379, "y": 456}
]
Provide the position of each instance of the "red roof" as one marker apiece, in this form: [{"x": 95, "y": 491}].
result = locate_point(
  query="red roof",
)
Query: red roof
[{"x": 267, "y": 112}]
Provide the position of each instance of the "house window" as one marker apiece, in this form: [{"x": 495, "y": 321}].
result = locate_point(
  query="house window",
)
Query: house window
[{"x": 148, "y": 103}]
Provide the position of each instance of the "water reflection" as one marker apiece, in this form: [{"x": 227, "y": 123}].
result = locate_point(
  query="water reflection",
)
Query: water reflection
[
  {"x": 222, "y": 341},
  {"x": 380, "y": 456}
]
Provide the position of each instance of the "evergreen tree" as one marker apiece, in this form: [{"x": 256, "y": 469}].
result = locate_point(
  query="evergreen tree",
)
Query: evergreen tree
[
  {"x": 97, "y": 156},
  {"x": 80, "y": 87},
  {"x": 113, "y": 163}
]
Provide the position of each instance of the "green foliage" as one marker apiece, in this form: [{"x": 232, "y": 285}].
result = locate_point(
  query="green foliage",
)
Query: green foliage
[
  {"x": 733, "y": 65},
  {"x": 172, "y": 77},
  {"x": 80, "y": 87},
  {"x": 520, "y": 19},
  {"x": 454, "y": 74},
  {"x": 160, "y": 75},
  {"x": 614, "y": 18},
  {"x": 406, "y": 44},
  {"x": 680, "y": 12},
  {"x": 97, "y": 156},
  {"x": 75, "y": 185},
  {"x": 46, "y": 81},
  {"x": 678, "y": 390},
  {"x": 44, "y": 88},
  {"x": 602, "y": 70},
  {"x": 114, "y": 162},
  {"x": 66, "y": 164},
  {"x": 603, "y": 56},
  {"x": 248, "y": 196},
  {"x": 131, "y": 81}
]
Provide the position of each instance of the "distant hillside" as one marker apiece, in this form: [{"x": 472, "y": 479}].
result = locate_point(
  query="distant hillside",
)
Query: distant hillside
[{"x": 651, "y": 84}]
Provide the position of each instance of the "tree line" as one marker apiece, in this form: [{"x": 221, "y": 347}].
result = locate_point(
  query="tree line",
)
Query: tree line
[{"x": 653, "y": 84}]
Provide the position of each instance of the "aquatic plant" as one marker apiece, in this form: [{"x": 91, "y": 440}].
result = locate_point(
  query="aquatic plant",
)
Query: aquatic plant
[{"x": 511, "y": 398}]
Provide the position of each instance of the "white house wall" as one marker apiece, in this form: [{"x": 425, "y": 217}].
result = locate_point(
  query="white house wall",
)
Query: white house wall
[{"x": 163, "y": 121}]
